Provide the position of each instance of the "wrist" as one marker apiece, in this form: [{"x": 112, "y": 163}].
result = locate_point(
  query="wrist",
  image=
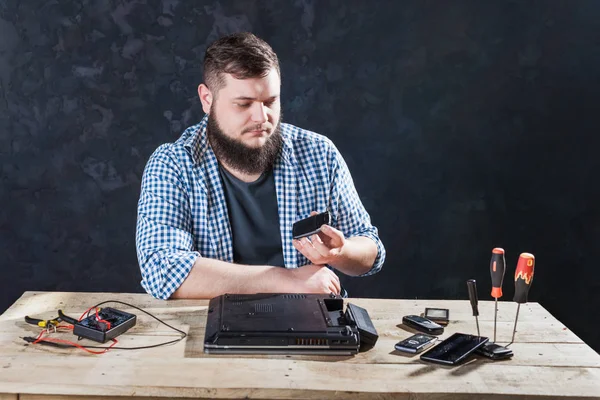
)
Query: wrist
[{"x": 280, "y": 279}]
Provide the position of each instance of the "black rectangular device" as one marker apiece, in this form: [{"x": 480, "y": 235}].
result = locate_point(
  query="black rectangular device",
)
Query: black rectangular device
[
  {"x": 422, "y": 324},
  {"x": 438, "y": 315},
  {"x": 494, "y": 351},
  {"x": 358, "y": 316},
  {"x": 286, "y": 323},
  {"x": 311, "y": 225},
  {"x": 416, "y": 343},
  {"x": 109, "y": 324},
  {"x": 454, "y": 349}
]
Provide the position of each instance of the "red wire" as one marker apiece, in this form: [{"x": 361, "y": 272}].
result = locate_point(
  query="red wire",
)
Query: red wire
[
  {"x": 102, "y": 320},
  {"x": 41, "y": 339},
  {"x": 79, "y": 346},
  {"x": 85, "y": 312}
]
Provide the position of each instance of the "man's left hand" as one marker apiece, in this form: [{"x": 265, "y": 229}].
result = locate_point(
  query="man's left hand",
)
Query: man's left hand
[{"x": 324, "y": 247}]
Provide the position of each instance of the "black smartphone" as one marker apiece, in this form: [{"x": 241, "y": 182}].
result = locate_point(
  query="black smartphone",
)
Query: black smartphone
[
  {"x": 454, "y": 349},
  {"x": 416, "y": 343},
  {"x": 422, "y": 324},
  {"x": 311, "y": 225},
  {"x": 494, "y": 351}
]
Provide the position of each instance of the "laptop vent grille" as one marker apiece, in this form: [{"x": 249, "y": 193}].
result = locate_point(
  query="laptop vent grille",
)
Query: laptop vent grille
[
  {"x": 311, "y": 342},
  {"x": 294, "y": 296},
  {"x": 263, "y": 308}
]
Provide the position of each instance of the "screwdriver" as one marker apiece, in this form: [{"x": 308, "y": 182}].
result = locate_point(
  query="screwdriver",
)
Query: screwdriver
[
  {"x": 497, "y": 268},
  {"x": 472, "y": 286},
  {"x": 523, "y": 280}
]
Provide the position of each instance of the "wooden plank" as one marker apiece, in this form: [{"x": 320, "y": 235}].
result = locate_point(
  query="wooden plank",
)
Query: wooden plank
[
  {"x": 47, "y": 302},
  {"x": 287, "y": 378},
  {"x": 535, "y": 354},
  {"x": 192, "y": 319},
  {"x": 8, "y": 396},
  {"x": 334, "y": 395},
  {"x": 546, "y": 354}
]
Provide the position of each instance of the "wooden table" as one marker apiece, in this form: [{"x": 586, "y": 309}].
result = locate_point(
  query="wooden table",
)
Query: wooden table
[{"x": 550, "y": 361}]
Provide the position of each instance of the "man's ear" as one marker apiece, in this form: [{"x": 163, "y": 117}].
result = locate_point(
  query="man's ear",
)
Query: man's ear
[{"x": 206, "y": 97}]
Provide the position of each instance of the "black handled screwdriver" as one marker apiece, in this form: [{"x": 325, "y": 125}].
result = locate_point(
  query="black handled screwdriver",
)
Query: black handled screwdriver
[
  {"x": 497, "y": 268},
  {"x": 523, "y": 280},
  {"x": 472, "y": 286}
]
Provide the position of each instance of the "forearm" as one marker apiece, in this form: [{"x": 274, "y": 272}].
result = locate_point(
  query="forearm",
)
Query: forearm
[
  {"x": 357, "y": 256},
  {"x": 209, "y": 278}
]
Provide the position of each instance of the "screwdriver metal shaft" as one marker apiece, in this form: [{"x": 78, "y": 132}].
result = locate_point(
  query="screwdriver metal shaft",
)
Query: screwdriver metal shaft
[
  {"x": 523, "y": 280},
  {"x": 497, "y": 268},
  {"x": 515, "y": 328},
  {"x": 472, "y": 286}
]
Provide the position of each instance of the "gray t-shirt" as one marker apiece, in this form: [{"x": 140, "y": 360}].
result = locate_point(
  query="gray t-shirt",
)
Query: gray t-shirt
[{"x": 254, "y": 219}]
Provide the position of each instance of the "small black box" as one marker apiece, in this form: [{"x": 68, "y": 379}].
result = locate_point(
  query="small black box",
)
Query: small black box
[
  {"x": 91, "y": 328},
  {"x": 360, "y": 317}
]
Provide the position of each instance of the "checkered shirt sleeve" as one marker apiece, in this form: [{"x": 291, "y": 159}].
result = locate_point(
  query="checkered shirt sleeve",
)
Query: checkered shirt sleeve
[
  {"x": 165, "y": 246},
  {"x": 350, "y": 215}
]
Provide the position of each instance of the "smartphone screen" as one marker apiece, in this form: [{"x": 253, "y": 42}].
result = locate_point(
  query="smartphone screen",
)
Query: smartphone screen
[
  {"x": 309, "y": 226},
  {"x": 454, "y": 349}
]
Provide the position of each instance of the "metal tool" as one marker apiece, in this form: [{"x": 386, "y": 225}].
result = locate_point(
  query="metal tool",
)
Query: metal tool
[
  {"x": 472, "y": 286},
  {"x": 523, "y": 280},
  {"x": 48, "y": 325},
  {"x": 497, "y": 268}
]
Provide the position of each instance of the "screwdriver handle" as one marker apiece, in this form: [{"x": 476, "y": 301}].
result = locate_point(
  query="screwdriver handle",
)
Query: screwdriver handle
[
  {"x": 497, "y": 268},
  {"x": 523, "y": 277},
  {"x": 472, "y": 286}
]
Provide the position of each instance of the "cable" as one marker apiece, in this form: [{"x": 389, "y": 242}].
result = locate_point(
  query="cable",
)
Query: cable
[{"x": 66, "y": 343}]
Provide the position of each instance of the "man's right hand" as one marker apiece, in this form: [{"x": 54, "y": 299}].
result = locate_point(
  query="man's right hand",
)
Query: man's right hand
[{"x": 314, "y": 279}]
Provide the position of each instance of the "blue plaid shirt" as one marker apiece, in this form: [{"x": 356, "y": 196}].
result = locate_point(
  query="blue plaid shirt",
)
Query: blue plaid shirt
[{"x": 182, "y": 211}]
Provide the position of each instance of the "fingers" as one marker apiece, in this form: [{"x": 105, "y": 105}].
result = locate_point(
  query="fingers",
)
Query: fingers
[
  {"x": 335, "y": 281},
  {"x": 305, "y": 247},
  {"x": 319, "y": 246},
  {"x": 316, "y": 250},
  {"x": 337, "y": 285},
  {"x": 335, "y": 236}
]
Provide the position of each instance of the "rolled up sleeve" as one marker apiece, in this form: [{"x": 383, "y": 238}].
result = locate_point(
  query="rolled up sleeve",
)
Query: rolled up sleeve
[
  {"x": 164, "y": 242},
  {"x": 349, "y": 214}
]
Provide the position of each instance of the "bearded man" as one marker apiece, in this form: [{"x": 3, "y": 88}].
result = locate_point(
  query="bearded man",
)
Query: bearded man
[{"x": 216, "y": 207}]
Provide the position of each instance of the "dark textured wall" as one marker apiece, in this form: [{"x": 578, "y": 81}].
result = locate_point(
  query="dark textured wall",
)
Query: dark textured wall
[{"x": 466, "y": 124}]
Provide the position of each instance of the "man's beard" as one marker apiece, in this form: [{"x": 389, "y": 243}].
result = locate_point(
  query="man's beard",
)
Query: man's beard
[{"x": 239, "y": 156}]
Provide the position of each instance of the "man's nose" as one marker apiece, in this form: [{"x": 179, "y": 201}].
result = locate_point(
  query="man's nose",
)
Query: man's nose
[{"x": 259, "y": 113}]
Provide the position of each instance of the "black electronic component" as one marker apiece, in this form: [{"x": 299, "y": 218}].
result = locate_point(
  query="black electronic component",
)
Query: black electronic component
[
  {"x": 286, "y": 323},
  {"x": 454, "y": 349},
  {"x": 358, "y": 316},
  {"x": 415, "y": 343},
  {"x": 438, "y": 315},
  {"x": 494, "y": 351},
  {"x": 422, "y": 324},
  {"x": 107, "y": 325},
  {"x": 311, "y": 225}
]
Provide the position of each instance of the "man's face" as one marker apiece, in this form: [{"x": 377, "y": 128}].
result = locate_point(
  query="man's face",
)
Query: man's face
[{"x": 248, "y": 110}]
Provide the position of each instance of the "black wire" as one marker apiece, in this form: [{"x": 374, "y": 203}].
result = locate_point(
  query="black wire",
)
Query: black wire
[{"x": 183, "y": 334}]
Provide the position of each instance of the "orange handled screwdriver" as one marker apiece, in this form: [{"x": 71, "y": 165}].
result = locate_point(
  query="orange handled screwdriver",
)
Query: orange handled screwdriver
[
  {"x": 523, "y": 280},
  {"x": 497, "y": 268}
]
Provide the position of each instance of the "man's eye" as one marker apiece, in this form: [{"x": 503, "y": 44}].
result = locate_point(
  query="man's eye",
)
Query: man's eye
[
  {"x": 269, "y": 103},
  {"x": 243, "y": 105}
]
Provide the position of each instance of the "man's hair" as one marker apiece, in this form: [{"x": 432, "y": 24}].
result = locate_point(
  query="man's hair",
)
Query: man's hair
[{"x": 242, "y": 55}]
